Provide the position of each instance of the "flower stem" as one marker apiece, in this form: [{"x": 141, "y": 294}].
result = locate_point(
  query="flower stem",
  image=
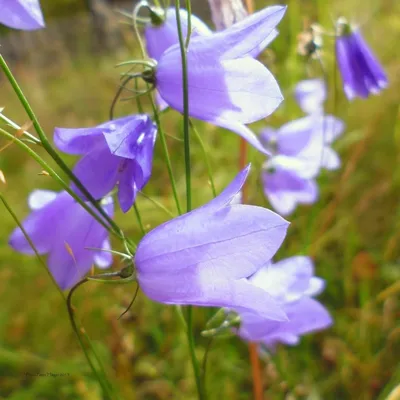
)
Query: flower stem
[
  {"x": 47, "y": 146},
  {"x": 186, "y": 137}
]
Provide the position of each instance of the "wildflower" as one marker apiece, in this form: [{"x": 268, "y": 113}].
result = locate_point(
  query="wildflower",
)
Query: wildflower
[
  {"x": 115, "y": 153},
  {"x": 310, "y": 94},
  {"x": 63, "y": 229},
  {"x": 226, "y": 85},
  {"x": 361, "y": 72},
  {"x": 284, "y": 189},
  {"x": 21, "y": 14},
  {"x": 300, "y": 149},
  {"x": 204, "y": 257},
  {"x": 291, "y": 283}
]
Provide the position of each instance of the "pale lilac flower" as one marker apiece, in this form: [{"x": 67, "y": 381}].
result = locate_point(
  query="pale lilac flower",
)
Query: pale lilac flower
[
  {"x": 291, "y": 283},
  {"x": 227, "y": 86},
  {"x": 284, "y": 189},
  {"x": 304, "y": 145},
  {"x": 21, "y": 14},
  {"x": 116, "y": 153},
  {"x": 63, "y": 229},
  {"x": 225, "y": 13},
  {"x": 204, "y": 257},
  {"x": 361, "y": 72},
  {"x": 310, "y": 95}
]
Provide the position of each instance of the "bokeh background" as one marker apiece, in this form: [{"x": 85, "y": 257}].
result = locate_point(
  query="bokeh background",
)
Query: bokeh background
[{"x": 67, "y": 72}]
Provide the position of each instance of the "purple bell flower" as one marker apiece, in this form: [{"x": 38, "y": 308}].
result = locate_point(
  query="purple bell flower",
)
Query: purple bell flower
[
  {"x": 361, "y": 72},
  {"x": 310, "y": 95},
  {"x": 116, "y": 153},
  {"x": 291, "y": 283},
  {"x": 300, "y": 149},
  {"x": 284, "y": 190},
  {"x": 21, "y": 14},
  {"x": 227, "y": 86},
  {"x": 63, "y": 229},
  {"x": 203, "y": 257}
]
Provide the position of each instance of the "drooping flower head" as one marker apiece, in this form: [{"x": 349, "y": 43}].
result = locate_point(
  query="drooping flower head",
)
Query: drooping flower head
[
  {"x": 361, "y": 71},
  {"x": 310, "y": 95},
  {"x": 116, "y": 153},
  {"x": 227, "y": 86},
  {"x": 21, "y": 14},
  {"x": 63, "y": 229},
  {"x": 291, "y": 283},
  {"x": 300, "y": 149},
  {"x": 204, "y": 257}
]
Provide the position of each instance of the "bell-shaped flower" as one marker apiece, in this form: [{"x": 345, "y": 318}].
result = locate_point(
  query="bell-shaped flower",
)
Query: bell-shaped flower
[
  {"x": 21, "y": 14},
  {"x": 284, "y": 189},
  {"x": 203, "y": 257},
  {"x": 361, "y": 72},
  {"x": 291, "y": 283},
  {"x": 304, "y": 145},
  {"x": 63, "y": 229},
  {"x": 310, "y": 95},
  {"x": 227, "y": 86},
  {"x": 116, "y": 153}
]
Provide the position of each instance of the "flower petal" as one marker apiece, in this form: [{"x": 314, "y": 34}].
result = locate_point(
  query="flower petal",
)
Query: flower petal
[
  {"x": 103, "y": 259},
  {"x": 241, "y": 90},
  {"x": 40, "y": 198},
  {"x": 246, "y": 38},
  {"x": 21, "y": 14},
  {"x": 160, "y": 38},
  {"x": 234, "y": 242},
  {"x": 98, "y": 171}
]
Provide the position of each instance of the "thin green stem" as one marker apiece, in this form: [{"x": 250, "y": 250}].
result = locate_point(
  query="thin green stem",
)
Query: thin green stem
[
  {"x": 105, "y": 385},
  {"x": 47, "y": 146},
  {"x": 186, "y": 138},
  {"x": 54, "y": 175},
  {"x": 158, "y": 204},
  {"x": 189, "y": 22},
  {"x": 139, "y": 218},
  {"x": 166, "y": 154},
  {"x": 206, "y": 159},
  {"x": 34, "y": 139}
]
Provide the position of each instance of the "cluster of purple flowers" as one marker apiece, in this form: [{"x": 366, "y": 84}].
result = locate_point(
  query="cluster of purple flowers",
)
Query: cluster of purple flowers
[
  {"x": 220, "y": 254},
  {"x": 300, "y": 148}
]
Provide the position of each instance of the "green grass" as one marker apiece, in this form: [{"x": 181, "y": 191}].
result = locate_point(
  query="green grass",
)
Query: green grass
[{"x": 352, "y": 233}]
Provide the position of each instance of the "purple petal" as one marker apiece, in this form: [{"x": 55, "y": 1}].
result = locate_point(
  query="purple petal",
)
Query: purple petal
[
  {"x": 98, "y": 171},
  {"x": 246, "y": 38},
  {"x": 284, "y": 190},
  {"x": 127, "y": 184},
  {"x": 78, "y": 141},
  {"x": 21, "y": 14},
  {"x": 203, "y": 288},
  {"x": 40, "y": 198},
  {"x": 242, "y": 90},
  {"x": 330, "y": 159},
  {"x": 160, "y": 38},
  {"x": 311, "y": 95},
  {"x": 287, "y": 280},
  {"x": 103, "y": 259}
]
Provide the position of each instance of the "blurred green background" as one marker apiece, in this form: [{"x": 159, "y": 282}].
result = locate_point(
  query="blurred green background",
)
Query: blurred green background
[{"x": 67, "y": 72}]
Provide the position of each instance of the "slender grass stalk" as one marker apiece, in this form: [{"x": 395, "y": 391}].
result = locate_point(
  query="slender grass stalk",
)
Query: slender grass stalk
[
  {"x": 47, "y": 146},
  {"x": 186, "y": 132},
  {"x": 139, "y": 218}
]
